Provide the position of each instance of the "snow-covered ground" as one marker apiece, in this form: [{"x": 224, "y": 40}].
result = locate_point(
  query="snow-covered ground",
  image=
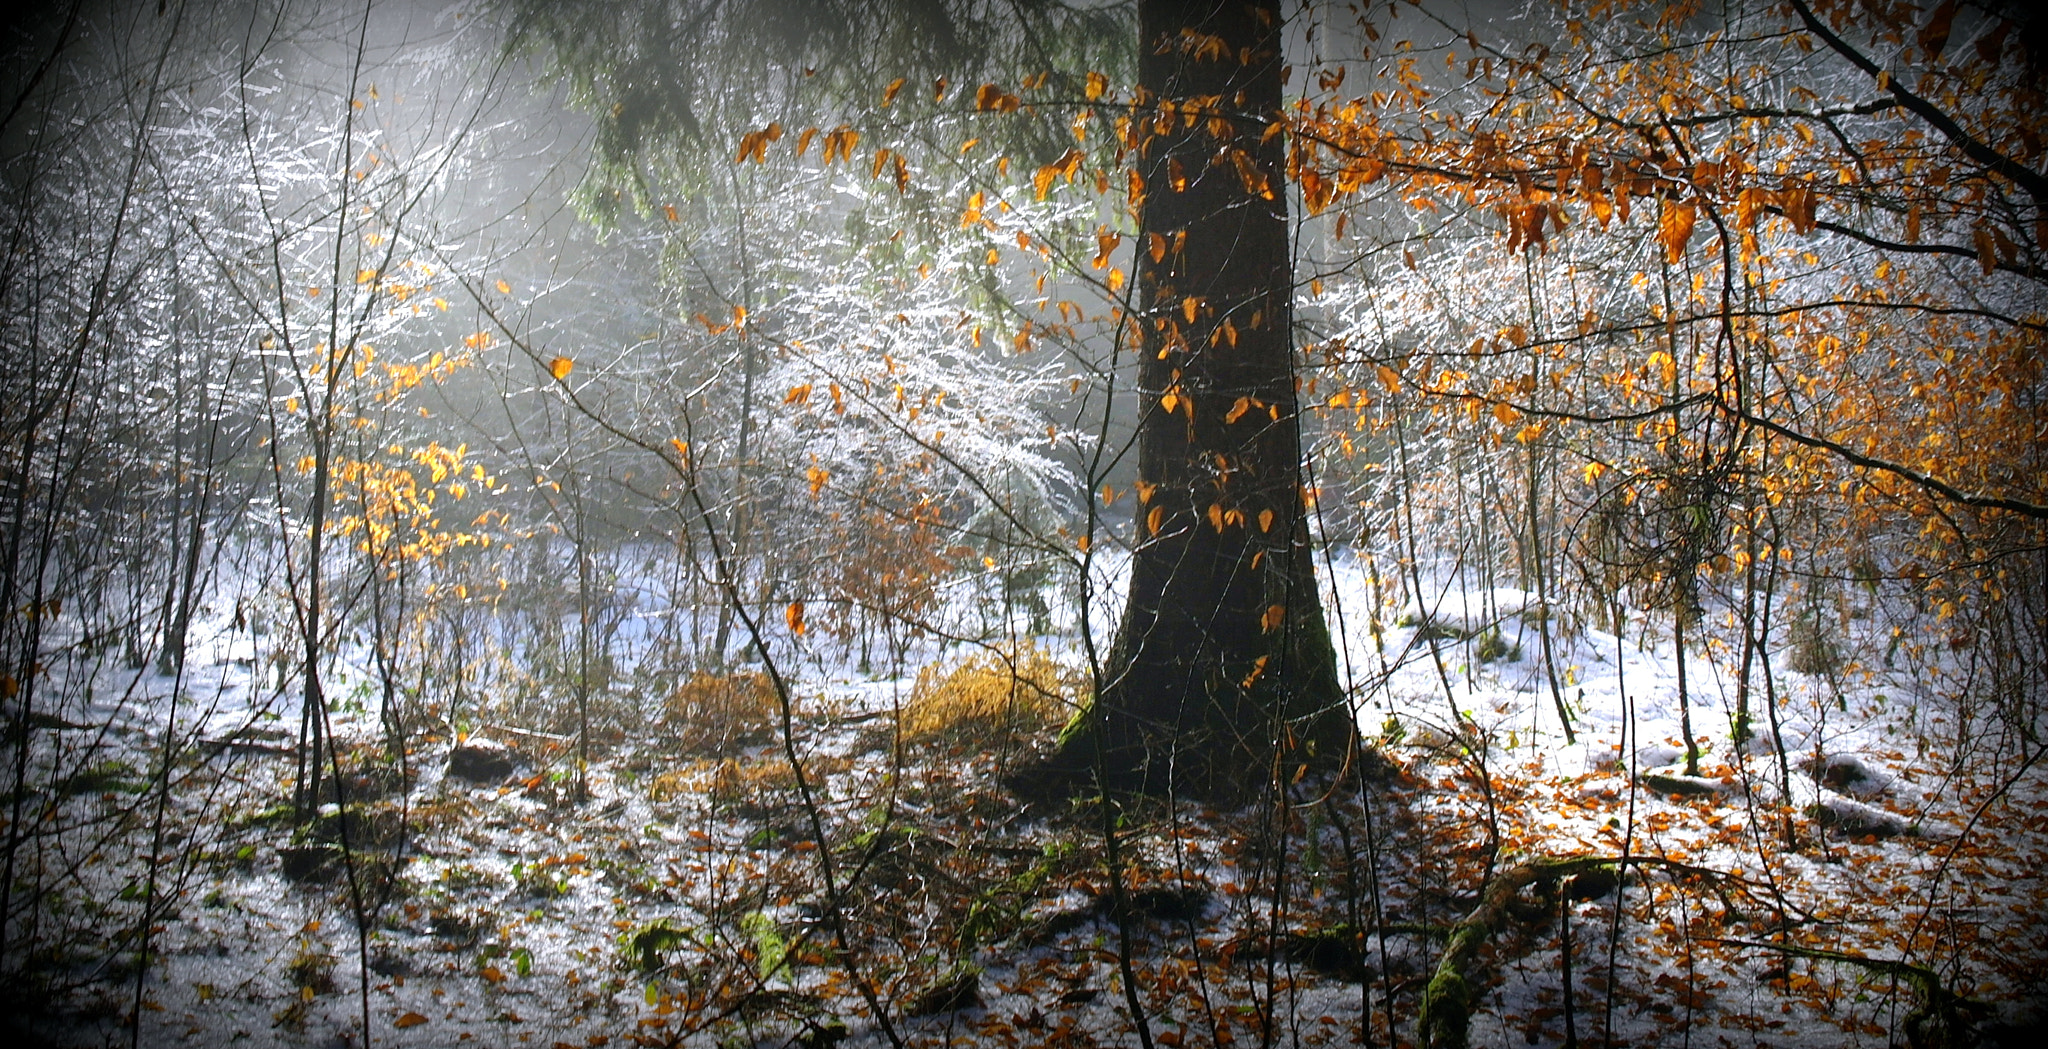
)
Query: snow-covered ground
[{"x": 1912, "y": 832}]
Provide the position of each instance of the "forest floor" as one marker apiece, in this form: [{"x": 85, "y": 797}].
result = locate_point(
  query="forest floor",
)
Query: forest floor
[{"x": 1790, "y": 895}]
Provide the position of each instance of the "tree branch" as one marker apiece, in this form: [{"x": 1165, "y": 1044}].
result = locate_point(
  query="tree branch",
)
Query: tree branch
[{"x": 2027, "y": 178}]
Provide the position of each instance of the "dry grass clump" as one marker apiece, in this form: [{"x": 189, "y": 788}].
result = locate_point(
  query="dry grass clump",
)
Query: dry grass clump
[
  {"x": 676, "y": 783},
  {"x": 718, "y": 713},
  {"x": 994, "y": 700},
  {"x": 745, "y": 786},
  {"x": 756, "y": 788}
]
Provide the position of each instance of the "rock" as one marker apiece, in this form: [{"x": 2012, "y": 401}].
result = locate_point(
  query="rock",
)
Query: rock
[
  {"x": 1854, "y": 819},
  {"x": 1673, "y": 783},
  {"x": 1181, "y": 904},
  {"x": 1759, "y": 743},
  {"x": 959, "y": 990},
  {"x": 1459, "y": 614},
  {"x": 480, "y": 761},
  {"x": 459, "y": 927},
  {"x": 1592, "y": 884},
  {"x": 307, "y": 862},
  {"x": 1847, "y": 773},
  {"x": 380, "y": 825},
  {"x": 1651, "y": 755}
]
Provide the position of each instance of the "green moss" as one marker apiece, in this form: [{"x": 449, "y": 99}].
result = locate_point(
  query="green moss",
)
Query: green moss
[
  {"x": 1076, "y": 728},
  {"x": 1446, "y": 1010}
]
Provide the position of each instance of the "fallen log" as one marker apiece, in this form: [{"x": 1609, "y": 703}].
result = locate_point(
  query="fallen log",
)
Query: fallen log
[
  {"x": 1446, "y": 1013},
  {"x": 1943, "y": 1019},
  {"x": 1446, "y": 1016}
]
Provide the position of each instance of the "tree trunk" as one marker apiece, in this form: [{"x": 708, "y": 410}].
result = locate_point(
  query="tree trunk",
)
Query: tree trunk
[{"x": 1222, "y": 672}]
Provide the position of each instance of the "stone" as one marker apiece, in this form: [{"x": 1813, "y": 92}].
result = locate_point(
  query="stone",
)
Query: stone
[{"x": 480, "y": 761}]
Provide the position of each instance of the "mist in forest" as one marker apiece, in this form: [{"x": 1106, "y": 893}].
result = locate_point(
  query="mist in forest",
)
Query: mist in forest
[{"x": 1023, "y": 522}]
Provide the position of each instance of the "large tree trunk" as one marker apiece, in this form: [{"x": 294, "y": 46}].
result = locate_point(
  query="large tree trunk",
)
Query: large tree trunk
[{"x": 1222, "y": 673}]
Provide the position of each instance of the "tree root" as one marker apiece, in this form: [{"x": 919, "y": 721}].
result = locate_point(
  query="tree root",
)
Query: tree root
[
  {"x": 1447, "y": 1001},
  {"x": 1942, "y": 1020},
  {"x": 1446, "y": 1013}
]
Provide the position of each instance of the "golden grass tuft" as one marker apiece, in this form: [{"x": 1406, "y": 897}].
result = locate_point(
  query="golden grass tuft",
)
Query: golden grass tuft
[
  {"x": 717, "y": 713},
  {"x": 993, "y": 700},
  {"x": 745, "y": 785}
]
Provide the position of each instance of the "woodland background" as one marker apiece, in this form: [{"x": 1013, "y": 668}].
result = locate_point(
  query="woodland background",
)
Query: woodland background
[{"x": 519, "y": 531}]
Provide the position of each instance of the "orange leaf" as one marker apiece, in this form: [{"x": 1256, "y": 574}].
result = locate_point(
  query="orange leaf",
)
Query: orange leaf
[
  {"x": 1750, "y": 203},
  {"x": 1275, "y": 615},
  {"x": 1674, "y": 228},
  {"x": 1105, "y": 243},
  {"x": 409, "y": 1020},
  {"x": 1265, "y": 520},
  {"x": 1041, "y": 181},
  {"x": 504, "y": 288},
  {"x": 560, "y": 366},
  {"x": 889, "y": 94},
  {"x": 1796, "y": 201},
  {"x": 794, "y": 616}
]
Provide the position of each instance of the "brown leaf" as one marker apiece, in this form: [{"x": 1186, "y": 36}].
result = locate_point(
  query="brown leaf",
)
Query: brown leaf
[{"x": 1934, "y": 35}]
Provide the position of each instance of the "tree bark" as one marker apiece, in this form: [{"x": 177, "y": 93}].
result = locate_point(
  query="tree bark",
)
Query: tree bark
[{"x": 1222, "y": 673}]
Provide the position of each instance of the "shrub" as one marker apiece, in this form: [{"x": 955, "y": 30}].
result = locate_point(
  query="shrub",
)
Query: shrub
[
  {"x": 1814, "y": 650},
  {"x": 1492, "y": 646},
  {"x": 991, "y": 701}
]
